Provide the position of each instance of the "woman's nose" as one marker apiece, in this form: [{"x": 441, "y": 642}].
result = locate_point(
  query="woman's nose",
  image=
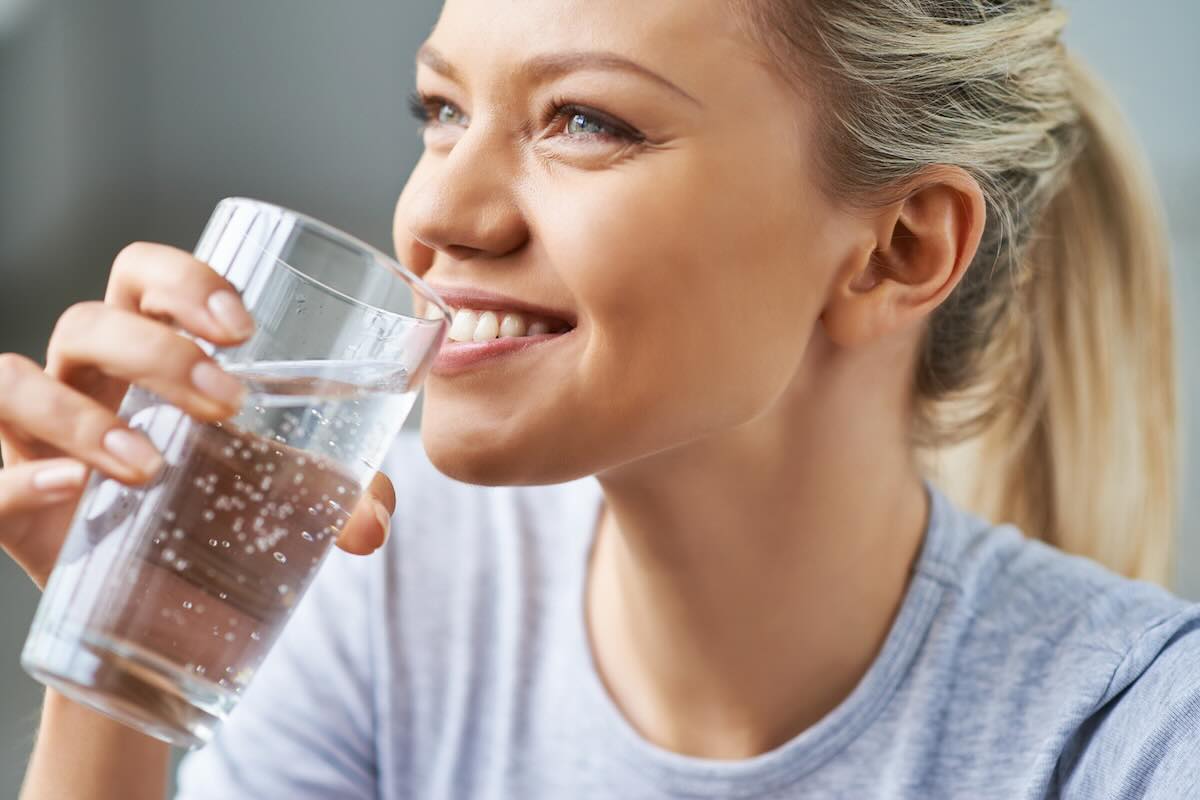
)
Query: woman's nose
[{"x": 464, "y": 206}]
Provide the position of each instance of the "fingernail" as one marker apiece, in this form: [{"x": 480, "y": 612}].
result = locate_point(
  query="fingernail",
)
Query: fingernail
[
  {"x": 385, "y": 519},
  {"x": 133, "y": 450},
  {"x": 59, "y": 477},
  {"x": 228, "y": 310},
  {"x": 217, "y": 384}
]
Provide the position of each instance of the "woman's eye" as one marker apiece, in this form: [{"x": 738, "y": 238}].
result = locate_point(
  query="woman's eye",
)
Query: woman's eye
[
  {"x": 574, "y": 122},
  {"x": 436, "y": 111},
  {"x": 584, "y": 123},
  {"x": 447, "y": 114}
]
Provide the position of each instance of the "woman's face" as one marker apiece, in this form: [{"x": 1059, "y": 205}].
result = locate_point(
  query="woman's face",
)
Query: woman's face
[{"x": 637, "y": 167}]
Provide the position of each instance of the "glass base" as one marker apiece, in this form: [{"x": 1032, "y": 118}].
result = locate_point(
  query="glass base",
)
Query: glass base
[{"x": 135, "y": 690}]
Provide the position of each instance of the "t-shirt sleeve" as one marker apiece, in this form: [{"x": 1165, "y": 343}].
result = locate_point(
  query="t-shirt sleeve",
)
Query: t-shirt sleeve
[
  {"x": 304, "y": 727},
  {"x": 1145, "y": 741}
]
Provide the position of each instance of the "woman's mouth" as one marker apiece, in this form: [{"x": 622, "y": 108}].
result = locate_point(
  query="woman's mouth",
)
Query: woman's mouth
[
  {"x": 483, "y": 326},
  {"x": 478, "y": 336}
]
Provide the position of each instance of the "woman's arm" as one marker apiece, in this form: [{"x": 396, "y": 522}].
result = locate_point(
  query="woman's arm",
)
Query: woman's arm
[{"x": 84, "y": 755}]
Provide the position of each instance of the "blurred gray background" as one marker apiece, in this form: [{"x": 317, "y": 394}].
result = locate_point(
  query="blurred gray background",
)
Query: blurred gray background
[{"x": 129, "y": 119}]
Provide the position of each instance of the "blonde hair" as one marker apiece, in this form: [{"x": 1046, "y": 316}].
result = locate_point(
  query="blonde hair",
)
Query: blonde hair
[{"x": 1045, "y": 388}]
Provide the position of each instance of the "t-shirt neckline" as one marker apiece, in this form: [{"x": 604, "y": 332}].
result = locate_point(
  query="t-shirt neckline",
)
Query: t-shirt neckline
[{"x": 663, "y": 770}]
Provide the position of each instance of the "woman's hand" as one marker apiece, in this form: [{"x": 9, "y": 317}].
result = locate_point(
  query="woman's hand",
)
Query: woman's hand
[{"x": 59, "y": 423}]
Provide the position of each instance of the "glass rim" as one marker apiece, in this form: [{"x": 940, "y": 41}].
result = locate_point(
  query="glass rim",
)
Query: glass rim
[{"x": 401, "y": 271}]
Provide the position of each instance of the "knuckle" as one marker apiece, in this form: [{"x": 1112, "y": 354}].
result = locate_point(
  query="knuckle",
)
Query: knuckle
[
  {"x": 129, "y": 257},
  {"x": 75, "y": 319},
  {"x": 78, "y": 317},
  {"x": 13, "y": 368}
]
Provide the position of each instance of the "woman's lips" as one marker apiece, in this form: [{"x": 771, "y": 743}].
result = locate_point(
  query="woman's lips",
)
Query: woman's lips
[{"x": 456, "y": 357}]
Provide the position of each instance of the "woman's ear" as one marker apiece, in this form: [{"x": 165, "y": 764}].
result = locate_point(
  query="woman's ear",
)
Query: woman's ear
[{"x": 923, "y": 244}]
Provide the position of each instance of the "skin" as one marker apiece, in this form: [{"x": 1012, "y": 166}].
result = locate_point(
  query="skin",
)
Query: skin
[{"x": 739, "y": 379}]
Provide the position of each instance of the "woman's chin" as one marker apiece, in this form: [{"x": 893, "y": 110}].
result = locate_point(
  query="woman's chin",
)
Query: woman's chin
[{"x": 491, "y": 459}]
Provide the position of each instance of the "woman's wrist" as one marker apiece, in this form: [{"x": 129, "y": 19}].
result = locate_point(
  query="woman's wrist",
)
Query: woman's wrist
[{"x": 81, "y": 753}]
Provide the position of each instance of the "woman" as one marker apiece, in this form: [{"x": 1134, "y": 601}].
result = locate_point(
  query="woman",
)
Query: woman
[{"x": 799, "y": 249}]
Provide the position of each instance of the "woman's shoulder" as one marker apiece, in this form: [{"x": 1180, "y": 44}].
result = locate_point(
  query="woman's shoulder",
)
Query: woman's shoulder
[
  {"x": 1013, "y": 584},
  {"x": 1089, "y": 678}
]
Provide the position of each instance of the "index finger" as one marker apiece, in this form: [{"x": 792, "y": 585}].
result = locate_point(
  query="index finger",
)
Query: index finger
[{"x": 167, "y": 283}]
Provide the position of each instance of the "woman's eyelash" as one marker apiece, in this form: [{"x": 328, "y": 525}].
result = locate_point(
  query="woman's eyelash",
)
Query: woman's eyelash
[{"x": 425, "y": 109}]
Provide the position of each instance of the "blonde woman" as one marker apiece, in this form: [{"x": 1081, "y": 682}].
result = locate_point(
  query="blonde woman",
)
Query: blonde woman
[{"x": 800, "y": 284}]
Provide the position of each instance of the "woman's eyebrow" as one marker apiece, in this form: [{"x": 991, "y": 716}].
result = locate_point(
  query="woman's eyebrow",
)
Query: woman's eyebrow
[{"x": 549, "y": 65}]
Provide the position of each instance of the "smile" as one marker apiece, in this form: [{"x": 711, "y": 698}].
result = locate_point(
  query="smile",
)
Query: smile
[
  {"x": 457, "y": 356},
  {"x": 481, "y": 326}
]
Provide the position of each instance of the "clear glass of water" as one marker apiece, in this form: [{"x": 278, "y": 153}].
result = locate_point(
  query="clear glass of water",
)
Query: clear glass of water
[{"x": 165, "y": 598}]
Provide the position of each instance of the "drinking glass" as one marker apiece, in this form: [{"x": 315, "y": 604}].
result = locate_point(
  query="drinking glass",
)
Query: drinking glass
[{"x": 165, "y": 598}]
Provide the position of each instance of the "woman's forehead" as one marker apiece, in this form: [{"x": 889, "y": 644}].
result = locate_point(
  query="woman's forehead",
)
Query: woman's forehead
[{"x": 671, "y": 28}]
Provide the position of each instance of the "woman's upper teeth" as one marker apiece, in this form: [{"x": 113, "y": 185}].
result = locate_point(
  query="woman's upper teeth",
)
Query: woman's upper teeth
[{"x": 479, "y": 326}]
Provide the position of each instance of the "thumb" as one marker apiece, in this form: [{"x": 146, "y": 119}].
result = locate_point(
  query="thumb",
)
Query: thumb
[{"x": 367, "y": 529}]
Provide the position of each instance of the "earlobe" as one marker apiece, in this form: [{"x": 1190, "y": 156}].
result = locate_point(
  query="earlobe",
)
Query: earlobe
[{"x": 922, "y": 246}]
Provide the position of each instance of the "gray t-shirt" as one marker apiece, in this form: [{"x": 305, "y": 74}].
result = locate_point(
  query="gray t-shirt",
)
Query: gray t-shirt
[{"x": 455, "y": 664}]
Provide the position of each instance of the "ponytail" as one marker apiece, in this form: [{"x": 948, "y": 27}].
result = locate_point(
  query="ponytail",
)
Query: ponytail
[
  {"x": 1086, "y": 458},
  {"x": 1044, "y": 392}
]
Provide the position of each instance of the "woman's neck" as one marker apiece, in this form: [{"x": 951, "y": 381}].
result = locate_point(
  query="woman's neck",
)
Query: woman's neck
[{"x": 740, "y": 586}]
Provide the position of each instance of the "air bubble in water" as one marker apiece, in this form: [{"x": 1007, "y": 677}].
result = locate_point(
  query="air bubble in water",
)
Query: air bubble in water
[
  {"x": 178, "y": 533},
  {"x": 208, "y": 515},
  {"x": 229, "y": 637},
  {"x": 255, "y": 636},
  {"x": 222, "y": 595},
  {"x": 280, "y": 557},
  {"x": 249, "y": 548},
  {"x": 187, "y": 603},
  {"x": 283, "y": 588},
  {"x": 306, "y": 536},
  {"x": 168, "y": 554},
  {"x": 212, "y": 542}
]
